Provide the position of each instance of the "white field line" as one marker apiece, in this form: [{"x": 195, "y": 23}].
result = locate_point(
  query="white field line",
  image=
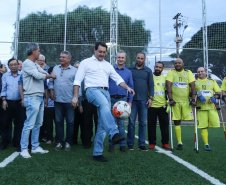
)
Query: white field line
[
  {"x": 9, "y": 159},
  {"x": 187, "y": 165}
]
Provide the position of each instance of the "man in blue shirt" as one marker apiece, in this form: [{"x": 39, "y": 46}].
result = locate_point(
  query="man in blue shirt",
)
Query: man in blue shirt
[
  {"x": 144, "y": 88},
  {"x": 61, "y": 90},
  {"x": 11, "y": 104},
  {"x": 43, "y": 132},
  {"x": 118, "y": 93}
]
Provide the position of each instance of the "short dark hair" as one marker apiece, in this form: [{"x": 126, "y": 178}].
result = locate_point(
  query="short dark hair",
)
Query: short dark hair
[
  {"x": 11, "y": 59},
  {"x": 97, "y": 44},
  {"x": 159, "y": 63},
  {"x": 142, "y": 53},
  {"x": 31, "y": 47},
  {"x": 50, "y": 70}
]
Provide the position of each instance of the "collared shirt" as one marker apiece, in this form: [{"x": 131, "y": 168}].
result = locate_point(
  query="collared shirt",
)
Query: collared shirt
[
  {"x": 126, "y": 75},
  {"x": 159, "y": 98},
  {"x": 143, "y": 82},
  {"x": 10, "y": 86},
  {"x": 46, "y": 68},
  {"x": 50, "y": 101},
  {"x": 1, "y": 82},
  {"x": 96, "y": 73},
  {"x": 180, "y": 84},
  {"x": 20, "y": 80},
  {"x": 206, "y": 88},
  {"x": 63, "y": 84}
]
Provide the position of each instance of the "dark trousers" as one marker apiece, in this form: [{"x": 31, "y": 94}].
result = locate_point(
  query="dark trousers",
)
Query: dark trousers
[
  {"x": 64, "y": 110},
  {"x": 89, "y": 115},
  {"x": 46, "y": 130},
  {"x": 162, "y": 115},
  {"x": 16, "y": 113},
  {"x": 78, "y": 122}
]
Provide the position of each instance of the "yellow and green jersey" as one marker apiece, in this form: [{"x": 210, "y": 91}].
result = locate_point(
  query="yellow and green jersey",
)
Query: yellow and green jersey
[
  {"x": 159, "y": 98},
  {"x": 223, "y": 86},
  {"x": 180, "y": 84},
  {"x": 206, "y": 88}
]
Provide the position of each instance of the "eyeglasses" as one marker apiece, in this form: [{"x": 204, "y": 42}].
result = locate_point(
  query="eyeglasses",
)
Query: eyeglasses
[{"x": 11, "y": 65}]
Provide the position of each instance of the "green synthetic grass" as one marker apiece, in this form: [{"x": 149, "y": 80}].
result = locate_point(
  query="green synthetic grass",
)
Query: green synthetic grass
[{"x": 132, "y": 167}]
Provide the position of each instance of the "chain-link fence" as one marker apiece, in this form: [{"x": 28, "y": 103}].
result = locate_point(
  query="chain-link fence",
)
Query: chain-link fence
[{"x": 146, "y": 26}]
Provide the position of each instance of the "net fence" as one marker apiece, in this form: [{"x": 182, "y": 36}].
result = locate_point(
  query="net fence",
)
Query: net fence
[{"x": 138, "y": 30}]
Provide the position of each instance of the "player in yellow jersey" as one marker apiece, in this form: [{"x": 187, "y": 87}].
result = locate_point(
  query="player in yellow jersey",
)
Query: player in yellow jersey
[
  {"x": 158, "y": 109},
  {"x": 179, "y": 81},
  {"x": 208, "y": 91},
  {"x": 223, "y": 88}
]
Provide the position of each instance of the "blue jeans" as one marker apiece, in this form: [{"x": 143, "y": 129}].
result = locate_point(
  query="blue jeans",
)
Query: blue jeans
[
  {"x": 106, "y": 123},
  {"x": 34, "y": 111},
  {"x": 119, "y": 122},
  {"x": 140, "y": 107},
  {"x": 64, "y": 110}
]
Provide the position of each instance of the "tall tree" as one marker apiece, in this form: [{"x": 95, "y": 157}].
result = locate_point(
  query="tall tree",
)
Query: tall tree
[
  {"x": 193, "y": 58},
  {"x": 85, "y": 26}
]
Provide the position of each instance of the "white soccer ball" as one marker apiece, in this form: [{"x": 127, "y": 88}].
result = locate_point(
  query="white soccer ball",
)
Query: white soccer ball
[{"x": 121, "y": 110}]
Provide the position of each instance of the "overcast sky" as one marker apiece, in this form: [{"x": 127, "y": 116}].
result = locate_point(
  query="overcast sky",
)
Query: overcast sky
[{"x": 147, "y": 10}]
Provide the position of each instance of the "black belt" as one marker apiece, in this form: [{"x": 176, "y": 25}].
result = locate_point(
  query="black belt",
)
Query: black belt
[
  {"x": 118, "y": 96},
  {"x": 105, "y": 88},
  {"x": 15, "y": 101}
]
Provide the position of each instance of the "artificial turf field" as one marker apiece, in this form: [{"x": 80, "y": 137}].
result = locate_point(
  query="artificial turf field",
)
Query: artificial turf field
[{"x": 132, "y": 167}]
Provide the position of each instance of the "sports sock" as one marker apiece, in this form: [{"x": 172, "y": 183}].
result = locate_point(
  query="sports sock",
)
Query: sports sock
[
  {"x": 177, "y": 129},
  {"x": 204, "y": 134}
]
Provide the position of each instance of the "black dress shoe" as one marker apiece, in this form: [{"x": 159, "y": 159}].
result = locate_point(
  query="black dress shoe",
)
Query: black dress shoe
[
  {"x": 117, "y": 138},
  {"x": 99, "y": 158}
]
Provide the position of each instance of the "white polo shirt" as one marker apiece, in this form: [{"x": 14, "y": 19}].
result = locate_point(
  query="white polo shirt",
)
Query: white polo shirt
[{"x": 96, "y": 73}]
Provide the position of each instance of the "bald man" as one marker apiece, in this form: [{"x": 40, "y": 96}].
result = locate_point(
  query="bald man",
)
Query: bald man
[
  {"x": 208, "y": 91},
  {"x": 178, "y": 84}
]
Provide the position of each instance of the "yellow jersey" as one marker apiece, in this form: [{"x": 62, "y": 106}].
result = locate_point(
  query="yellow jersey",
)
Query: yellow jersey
[
  {"x": 180, "y": 84},
  {"x": 159, "y": 98},
  {"x": 206, "y": 88},
  {"x": 223, "y": 86}
]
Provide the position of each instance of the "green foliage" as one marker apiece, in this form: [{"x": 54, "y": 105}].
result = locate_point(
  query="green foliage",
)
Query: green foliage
[
  {"x": 193, "y": 58},
  {"x": 85, "y": 26}
]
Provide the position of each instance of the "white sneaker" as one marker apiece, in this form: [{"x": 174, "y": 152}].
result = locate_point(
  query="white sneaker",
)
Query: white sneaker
[
  {"x": 39, "y": 150},
  {"x": 25, "y": 154}
]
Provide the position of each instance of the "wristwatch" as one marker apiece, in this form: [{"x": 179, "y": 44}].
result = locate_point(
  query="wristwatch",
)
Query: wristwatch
[{"x": 151, "y": 98}]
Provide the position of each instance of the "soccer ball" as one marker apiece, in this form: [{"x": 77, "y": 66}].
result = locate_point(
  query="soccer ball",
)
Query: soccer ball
[{"x": 121, "y": 110}]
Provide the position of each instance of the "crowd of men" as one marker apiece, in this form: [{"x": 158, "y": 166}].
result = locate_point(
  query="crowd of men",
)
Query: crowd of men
[{"x": 34, "y": 96}]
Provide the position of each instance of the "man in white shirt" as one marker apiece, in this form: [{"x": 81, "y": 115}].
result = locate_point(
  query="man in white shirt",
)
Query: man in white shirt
[{"x": 96, "y": 72}]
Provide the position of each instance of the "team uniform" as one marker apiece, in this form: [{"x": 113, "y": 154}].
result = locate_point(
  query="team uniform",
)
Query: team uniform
[
  {"x": 207, "y": 115},
  {"x": 180, "y": 93},
  {"x": 158, "y": 109},
  {"x": 223, "y": 86},
  {"x": 159, "y": 99}
]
